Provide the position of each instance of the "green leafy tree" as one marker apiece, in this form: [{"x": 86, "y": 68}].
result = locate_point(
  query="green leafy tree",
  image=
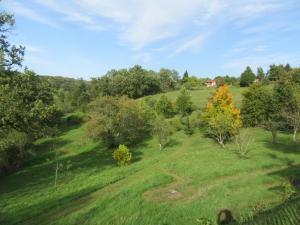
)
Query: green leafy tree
[
  {"x": 254, "y": 111},
  {"x": 164, "y": 106},
  {"x": 260, "y": 107},
  {"x": 10, "y": 55},
  {"x": 162, "y": 130},
  {"x": 287, "y": 95},
  {"x": 122, "y": 155},
  {"x": 221, "y": 118},
  {"x": 117, "y": 120},
  {"x": 277, "y": 71},
  {"x": 247, "y": 77},
  {"x": 79, "y": 95},
  {"x": 27, "y": 104},
  {"x": 260, "y": 74},
  {"x": 295, "y": 76},
  {"x": 168, "y": 79},
  {"x": 184, "y": 104}
]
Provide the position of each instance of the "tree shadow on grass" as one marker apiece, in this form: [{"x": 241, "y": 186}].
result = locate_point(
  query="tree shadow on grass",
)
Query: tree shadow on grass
[
  {"x": 284, "y": 214},
  {"x": 41, "y": 171},
  {"x": 283, "y": 144},
  {"x": 51, "y": 210},
  {"x": 173, "y": 142},
  {"x": 287, "y": 212}
]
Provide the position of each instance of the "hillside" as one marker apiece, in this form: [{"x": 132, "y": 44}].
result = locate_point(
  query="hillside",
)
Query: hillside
[{"x": 191, "y": 178}]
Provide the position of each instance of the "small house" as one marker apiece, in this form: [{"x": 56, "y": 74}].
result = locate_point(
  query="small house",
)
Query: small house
[{"x": 211, "y": 83}]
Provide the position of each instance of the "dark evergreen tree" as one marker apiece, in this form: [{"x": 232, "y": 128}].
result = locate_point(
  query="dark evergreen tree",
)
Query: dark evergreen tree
[{"x": 247, "y": 77}]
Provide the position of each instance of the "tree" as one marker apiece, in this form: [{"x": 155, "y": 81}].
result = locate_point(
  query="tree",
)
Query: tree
[
  {"x": 168, "y": 79},
  {"x": 185, "y": 77},
  {"x": 164, "y": 106},
  {"x": 254, "y": 111},
  {"x": 162, "y": 130},
  {"x": 27, "y": 104},
  {"x": 135, "y": 82},
  {"x": 247, "y": 77},
  {"x": 261, "y": 108},
  {"x": 287, "y": 95},
  {"x": 79, "y": 95},
  {"x": 117, "y": 120},
  {"x": 221, "y": 118},
  {"x": 183, "y": 102},
  {"x": 260, "y": 73},
  {"x": 122, "y": 155},
  {"x": 277, "y": 71},
  {"x": 10, "y": 55}
]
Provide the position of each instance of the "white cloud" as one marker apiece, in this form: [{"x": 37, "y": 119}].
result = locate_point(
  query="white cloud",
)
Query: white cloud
[
  {"x": 141, "y": 23},
  {"x": 193, "y": 44},
  {"x": 22, "y": 10},
  {"x": 32, "y": 48}
]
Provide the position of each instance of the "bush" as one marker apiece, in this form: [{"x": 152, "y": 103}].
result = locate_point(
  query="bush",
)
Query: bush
[
  {"x": 13, "y": 150},
  {"x": 162, "y": 130},
  {"x": 122, "y": 155},
  {"x": 243, "y": 141},
  {"x": 164, "y": 107},
  {"x": 117, "y": 120},
  {"x": 289, "y": 190},
  {"x": 184, "y": 103},
  {"x": 175, "y": 122}
]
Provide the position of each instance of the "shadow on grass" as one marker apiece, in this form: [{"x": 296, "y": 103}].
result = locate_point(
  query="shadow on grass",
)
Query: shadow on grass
[
  {"x": 283, "y": 144},
  {"x": 288, "y": 212},
  {"x": 284, "y": 214},
  {"x": 51, "y": 210}
]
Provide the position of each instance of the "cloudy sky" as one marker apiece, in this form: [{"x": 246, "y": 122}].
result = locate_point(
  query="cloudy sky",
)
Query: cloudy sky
[{"x": 85, "y": 38}]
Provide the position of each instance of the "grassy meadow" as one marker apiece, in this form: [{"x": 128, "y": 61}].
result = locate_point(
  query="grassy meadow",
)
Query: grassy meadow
[{"x": 192, "y": 178}]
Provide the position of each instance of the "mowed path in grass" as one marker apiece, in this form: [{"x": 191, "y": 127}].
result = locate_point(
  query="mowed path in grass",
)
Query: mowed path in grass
[{"x": 190, "y": 179}]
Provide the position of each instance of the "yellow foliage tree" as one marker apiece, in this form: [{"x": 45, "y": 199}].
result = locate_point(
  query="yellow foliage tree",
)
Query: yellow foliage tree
[{"x": 221, "y": 117}]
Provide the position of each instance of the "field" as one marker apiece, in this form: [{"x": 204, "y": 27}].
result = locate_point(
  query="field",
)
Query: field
[{"x": 191, "y": 178}]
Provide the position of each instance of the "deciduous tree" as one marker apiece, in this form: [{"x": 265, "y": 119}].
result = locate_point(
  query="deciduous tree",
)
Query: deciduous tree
[{"x": 221, "y": 118}]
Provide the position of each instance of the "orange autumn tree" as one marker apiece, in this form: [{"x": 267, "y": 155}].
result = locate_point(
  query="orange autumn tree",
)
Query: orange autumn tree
[{"x": 221, "y": 117}]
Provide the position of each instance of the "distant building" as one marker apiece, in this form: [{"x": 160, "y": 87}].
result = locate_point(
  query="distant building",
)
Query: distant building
[
  {"x": 211, "y": 83},
  {"x": 257, "y": 79}
]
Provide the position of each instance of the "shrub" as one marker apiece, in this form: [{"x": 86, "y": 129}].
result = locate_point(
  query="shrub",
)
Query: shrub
[
  {"x": 13, "y": 150},
  {"x": 162, "y": 130},
  {"x": 117, "y": 121},
  {"x": 289, "y": 190},
  {"x": 164, "y": 106},
  {"x": 184, "y": 103},
  {"x": 122, "y": 155},
  {"x": 175, "y": 122},
  {"x": 187, "y": 127},
  {"x": 243, "y": 141}
]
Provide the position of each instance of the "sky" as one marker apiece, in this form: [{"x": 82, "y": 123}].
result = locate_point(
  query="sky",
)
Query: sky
[{"x": 86, "y": 38}]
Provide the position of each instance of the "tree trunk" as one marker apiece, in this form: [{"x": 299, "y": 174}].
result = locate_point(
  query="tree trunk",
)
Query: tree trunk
[
  {"x": 56, "y": 173},
  {"x": 274, "y": 134},
  {"x": 295, "y": 134},
  {"x": 160, "y": 146}
]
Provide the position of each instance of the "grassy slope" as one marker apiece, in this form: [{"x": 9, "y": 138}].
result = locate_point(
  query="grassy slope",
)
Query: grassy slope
[{"x": 95, "y": 191}]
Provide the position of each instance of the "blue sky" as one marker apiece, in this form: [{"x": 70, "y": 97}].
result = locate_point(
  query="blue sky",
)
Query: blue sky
[{"x": 85, "y": 38}]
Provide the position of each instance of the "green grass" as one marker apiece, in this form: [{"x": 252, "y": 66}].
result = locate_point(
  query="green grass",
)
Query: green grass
[{"x": 190, "y": 179}]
